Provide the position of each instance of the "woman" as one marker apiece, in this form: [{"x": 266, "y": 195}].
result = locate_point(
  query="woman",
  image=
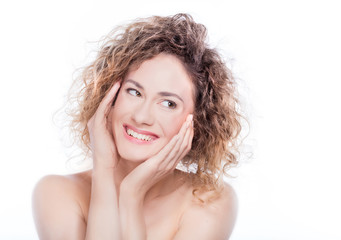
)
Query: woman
[{"x": 155, "y": 96}]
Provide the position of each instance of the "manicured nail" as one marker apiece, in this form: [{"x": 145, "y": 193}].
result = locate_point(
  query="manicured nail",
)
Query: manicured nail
[
  {"x": 190, "y": 117},
  {"x": 190, "y": 120}
]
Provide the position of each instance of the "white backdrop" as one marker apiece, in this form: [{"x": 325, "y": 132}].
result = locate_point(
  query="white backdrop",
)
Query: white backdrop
[{"x": 287, "y": 55}]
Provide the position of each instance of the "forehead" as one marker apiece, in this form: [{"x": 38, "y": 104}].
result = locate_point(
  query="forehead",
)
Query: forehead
[{"x": 164, "y": 72}]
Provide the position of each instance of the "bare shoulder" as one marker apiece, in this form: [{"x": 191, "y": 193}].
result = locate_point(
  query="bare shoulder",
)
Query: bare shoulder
[
  {"x": 212, "y": 217},
  {"x": 63, "y": 181},
  {"x": 225, "y": 196},
  {"x": 58, "y": 204},
  {"x": 57, "y": 188}
]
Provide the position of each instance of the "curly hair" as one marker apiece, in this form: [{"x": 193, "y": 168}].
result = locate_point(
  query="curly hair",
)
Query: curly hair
[{"x": 216, "y": 117}]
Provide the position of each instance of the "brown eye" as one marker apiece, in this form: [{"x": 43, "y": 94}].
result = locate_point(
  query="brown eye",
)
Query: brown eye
[
  {"x": 168, "y": 104},
  {"x": 134, "y": 92}
]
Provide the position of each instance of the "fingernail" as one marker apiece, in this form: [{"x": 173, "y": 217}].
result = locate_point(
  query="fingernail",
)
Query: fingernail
[{"x": 190, "y": 117}]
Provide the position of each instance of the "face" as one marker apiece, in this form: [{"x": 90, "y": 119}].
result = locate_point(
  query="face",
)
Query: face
[{"x": 153, "y": 103}]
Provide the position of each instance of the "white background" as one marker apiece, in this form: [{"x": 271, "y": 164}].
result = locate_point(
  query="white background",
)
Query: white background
[{"x": 287, "y": 55}]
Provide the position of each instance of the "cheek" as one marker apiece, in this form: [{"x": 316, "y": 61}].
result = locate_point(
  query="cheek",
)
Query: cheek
[
  {"x": 117, "y": 111},
  {"x": 119, "y": 100},
  {"x": 172, "y": 125},
  {"x": 121, "y": 106}
]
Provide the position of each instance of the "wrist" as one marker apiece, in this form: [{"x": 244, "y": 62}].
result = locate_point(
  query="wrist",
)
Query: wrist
[
  {"x": 104, "y": 161},
  {"x": 102, "y": 172},
  {"x": 131, "y": 194}
]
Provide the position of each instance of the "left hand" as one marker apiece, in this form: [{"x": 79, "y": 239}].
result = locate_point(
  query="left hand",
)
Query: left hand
[{"x": 148, "y": 173}]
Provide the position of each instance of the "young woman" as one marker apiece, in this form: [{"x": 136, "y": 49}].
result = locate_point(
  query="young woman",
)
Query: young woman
[{"x": 155, "y": 96}]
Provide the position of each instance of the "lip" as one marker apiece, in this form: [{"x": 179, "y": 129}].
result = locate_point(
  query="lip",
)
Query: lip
[{"x": 135, "y": 140}]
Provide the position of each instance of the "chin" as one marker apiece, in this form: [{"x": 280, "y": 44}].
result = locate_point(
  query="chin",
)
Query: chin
[{"x": 135, "y": 156}]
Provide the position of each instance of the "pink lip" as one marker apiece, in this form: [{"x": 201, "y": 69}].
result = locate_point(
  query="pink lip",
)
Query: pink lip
[{"x": 135, "y": 140}]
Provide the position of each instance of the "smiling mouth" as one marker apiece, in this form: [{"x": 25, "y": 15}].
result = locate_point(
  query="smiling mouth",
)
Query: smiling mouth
[{"x": 138, "y": 135}]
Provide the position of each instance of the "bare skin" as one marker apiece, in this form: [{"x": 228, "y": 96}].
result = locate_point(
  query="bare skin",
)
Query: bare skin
[
  {"x": 62, "y": 208},
  {"x": 134, "y": 191}
]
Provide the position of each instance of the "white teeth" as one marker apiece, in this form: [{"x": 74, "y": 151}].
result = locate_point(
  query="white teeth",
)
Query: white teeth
[{"x": 138, "y": 135}]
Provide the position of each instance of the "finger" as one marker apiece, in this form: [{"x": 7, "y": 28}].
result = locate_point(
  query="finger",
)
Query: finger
[
  {"x": 168, "y": 148},
  {"x": 184, "y": 147},
  {"x": 187, "y": 143},
  {"x": 167, "y": 153},
  {"x": 188, "y": 140},
  {"x": 182, "y": 134},
  {"x": 105, "y": 105},
  {"x": 184, "y": 131}
]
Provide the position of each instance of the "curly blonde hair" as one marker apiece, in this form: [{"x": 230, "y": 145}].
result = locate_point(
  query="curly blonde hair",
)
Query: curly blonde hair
[{"x": 216, "y": 117}]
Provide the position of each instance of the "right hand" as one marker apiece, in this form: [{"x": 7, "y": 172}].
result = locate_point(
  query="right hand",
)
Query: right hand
[{"x": 102, "y": 143}]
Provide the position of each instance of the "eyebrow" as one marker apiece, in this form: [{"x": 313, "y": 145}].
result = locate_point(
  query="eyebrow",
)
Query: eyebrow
[
  {"x": 163, "y": 93},
  {"x": 135, "y": 83},
  {"x": 169, "y": 94}
]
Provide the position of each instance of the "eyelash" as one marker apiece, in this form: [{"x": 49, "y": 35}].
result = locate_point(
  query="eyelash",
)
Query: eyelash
[
  {"x": 169, "y": 102},
  {"x": 134, "y": 92},
  {"x": 137, "y": 93}
]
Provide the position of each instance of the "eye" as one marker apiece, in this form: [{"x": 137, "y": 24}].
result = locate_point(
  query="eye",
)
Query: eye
[
  {"x": 168, "y": 104},
  {"x": 133, "y": 92}
]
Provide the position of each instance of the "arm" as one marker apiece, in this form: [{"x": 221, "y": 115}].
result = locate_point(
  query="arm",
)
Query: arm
[
  {"x": 56, "y": 207},
  {"x": 131, "y": 216},
  {"x": 103, "y": 219}
]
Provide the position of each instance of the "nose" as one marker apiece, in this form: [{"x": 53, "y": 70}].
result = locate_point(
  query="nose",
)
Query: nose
[{"x": 143, "y": 114}]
